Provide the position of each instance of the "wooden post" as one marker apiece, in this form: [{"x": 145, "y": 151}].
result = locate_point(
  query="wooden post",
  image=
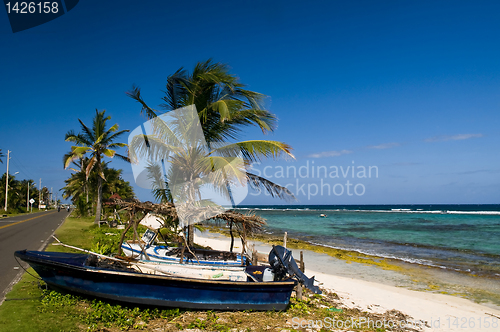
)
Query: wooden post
[
  {"x": 254, "y": 257},
  {"x": 298, "y": 291},
  {"x": 242, "y": 253},
  {"x": 190, "y": 239},
  {"x": 284, "y": 240},
  {"x": 122, "y": 238}
]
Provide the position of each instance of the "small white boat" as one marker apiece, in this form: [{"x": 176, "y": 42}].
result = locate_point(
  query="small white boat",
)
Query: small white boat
[
  {"x": 172, "y": 255},
  {"x": 231, "y": 273},
  {"x": 323, "y": 215}
]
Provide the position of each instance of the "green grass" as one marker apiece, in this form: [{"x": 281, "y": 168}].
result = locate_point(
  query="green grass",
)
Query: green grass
[
  {"x": 23, "y": 310},
  {"x": 74, "y": 231}
]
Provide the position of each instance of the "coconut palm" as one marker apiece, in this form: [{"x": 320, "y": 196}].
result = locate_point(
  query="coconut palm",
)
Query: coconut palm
[
  {"x": 161, "y": 191},
  {"x": 13, "y": 193},
  {"x": 191, "y": 166},
  {"x": 78, "y": 184},
  {"x": 115, "y": 184},
  {"x": 224, "y": 107},
  {"x": 1, "y": 156},
  {"x": 45, "y": 196},
  {"x": 98, "y": 142},
  {"x": 78, "y": 187}
]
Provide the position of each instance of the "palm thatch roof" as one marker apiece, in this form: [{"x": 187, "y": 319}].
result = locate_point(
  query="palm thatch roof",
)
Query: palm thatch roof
[
  {"x": 251, "y": 222},
  {"x": 245, "y": 224}
]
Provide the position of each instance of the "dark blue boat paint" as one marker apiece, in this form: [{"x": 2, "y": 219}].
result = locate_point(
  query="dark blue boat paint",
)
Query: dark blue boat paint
[{"x": 69, "y": 272}]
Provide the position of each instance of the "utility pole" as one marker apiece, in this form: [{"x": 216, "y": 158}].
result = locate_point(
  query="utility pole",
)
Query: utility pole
[
  {"x": 7, "y": 180},
  {"x": 28, "y": 200},
  {"x": 39, "y": 194}
]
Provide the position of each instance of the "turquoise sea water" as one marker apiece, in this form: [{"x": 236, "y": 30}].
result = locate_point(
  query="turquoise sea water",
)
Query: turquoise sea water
[{"x": 463, "y": 238}]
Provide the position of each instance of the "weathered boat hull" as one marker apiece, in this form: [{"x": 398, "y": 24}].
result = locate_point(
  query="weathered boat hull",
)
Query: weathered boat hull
[
  {"x": 69, "y": 272},
  {"x": 160, "y": 254}
]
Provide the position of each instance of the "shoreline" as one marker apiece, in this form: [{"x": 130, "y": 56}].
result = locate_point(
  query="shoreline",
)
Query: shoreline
[
  {"x": 378, "y": 287},
  {"x": 483, "y": 289},
  {"x": 461, "y": 241}
]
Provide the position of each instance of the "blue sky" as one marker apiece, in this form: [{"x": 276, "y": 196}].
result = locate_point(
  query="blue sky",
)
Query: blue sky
[{"x": 411, "y": 88}]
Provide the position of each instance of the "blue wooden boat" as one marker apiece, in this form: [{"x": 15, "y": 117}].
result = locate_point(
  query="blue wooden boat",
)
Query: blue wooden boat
[{"x": 79, "y": 273}]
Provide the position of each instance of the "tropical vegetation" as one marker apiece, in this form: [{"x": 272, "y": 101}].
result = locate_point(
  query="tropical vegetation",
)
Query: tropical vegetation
[
  {"x": 97, "y": 142},
  {"x": 83, "y": 191},
  {"x": 18, "y": 194}
]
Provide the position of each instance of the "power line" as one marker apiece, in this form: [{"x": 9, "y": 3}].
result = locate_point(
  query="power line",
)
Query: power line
[{"x": 23, "y": 169}]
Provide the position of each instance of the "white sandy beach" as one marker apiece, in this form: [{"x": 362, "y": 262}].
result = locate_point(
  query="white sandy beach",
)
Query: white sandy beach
[{"x": 441, "y": 312}]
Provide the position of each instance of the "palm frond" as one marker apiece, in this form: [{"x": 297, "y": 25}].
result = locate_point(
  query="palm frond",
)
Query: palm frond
[
  {"x": 122, "y": 157},
  {"x": 109, "y": 153},
  {"x": 87, "y": 132},
  {"x": 90, "y": 166},
  {"x": 79, "y": 151},
  {"x": 151, "y": 147},
  {"x": 115, "y": 135},
  {"x": 135, "y": 94},
  {"x": 68, "y": 158},
  {"x": 175, "y": 95},
  {"x": 259, "y": 183},
  {"x": 254, "y": 150}
]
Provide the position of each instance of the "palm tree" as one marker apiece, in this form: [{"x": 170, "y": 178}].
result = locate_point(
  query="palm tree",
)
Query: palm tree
[
  {"x": 98, "y": 142},
  {"x": 45, "y": 196},
  {"x": 14, "y": 194},
  {"x": 115, "y": 184},
  {"x": 1, "y": 156},
  {"x": 224, "y": 107},
  {"x": 161, "y": 191},
  {"x": 77, "y": 185}
]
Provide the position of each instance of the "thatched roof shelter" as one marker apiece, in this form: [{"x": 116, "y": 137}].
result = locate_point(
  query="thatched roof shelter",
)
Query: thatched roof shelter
[
  {"x": 245, "y": 224},
  {"x": 252, "y": 222}
]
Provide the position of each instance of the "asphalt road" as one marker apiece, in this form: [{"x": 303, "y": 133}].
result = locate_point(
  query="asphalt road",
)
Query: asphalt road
[{"x": 29, "y": 231}]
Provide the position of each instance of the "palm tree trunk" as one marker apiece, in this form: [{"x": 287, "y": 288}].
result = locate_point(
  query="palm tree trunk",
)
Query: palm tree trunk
[
  {"x": 87, "y": 192},
  {"x": 99, "y": 198}
]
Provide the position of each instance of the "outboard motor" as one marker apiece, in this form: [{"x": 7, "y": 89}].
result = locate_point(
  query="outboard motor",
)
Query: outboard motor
[{"x": 283, "y": 264}]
